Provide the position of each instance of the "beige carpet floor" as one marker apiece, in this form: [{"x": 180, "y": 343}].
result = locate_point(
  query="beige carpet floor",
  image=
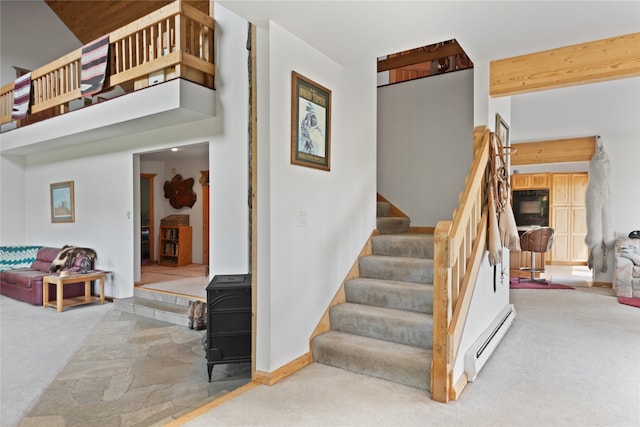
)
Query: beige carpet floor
[{"x": 571, "y": 358}]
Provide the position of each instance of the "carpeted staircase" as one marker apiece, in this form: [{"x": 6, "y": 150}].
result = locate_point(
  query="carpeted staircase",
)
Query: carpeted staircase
[{"x": 385, "y": 327}]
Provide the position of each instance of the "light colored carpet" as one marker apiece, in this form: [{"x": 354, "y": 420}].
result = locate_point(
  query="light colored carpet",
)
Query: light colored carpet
[
  {"x": 35, "y": 344},
  {"x": 570, "y": 359}
]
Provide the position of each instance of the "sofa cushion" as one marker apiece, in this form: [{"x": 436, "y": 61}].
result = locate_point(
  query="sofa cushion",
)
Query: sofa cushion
[
  {"x": 44, "y": 258},
  {"x": 23, "y": 277},
  {"x": 633, "y": 256},
  {"x": 17, "y": 256}
]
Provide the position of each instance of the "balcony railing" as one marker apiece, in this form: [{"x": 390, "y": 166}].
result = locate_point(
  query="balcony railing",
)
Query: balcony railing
[{"x": 175, "y": 41}]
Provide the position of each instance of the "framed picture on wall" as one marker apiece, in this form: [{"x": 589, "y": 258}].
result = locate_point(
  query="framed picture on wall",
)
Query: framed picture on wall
[
  {"x": 310, "y": 123},
  {"x": 502, "y": 130},
  {"x": 62, "y": 202}
]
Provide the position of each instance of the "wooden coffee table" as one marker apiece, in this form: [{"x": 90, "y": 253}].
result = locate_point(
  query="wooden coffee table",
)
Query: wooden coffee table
[{"x": 60, "y": 281}]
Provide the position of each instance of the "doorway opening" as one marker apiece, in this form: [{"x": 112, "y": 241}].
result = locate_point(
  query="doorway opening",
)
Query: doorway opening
[{"x": 174, "y": 237}]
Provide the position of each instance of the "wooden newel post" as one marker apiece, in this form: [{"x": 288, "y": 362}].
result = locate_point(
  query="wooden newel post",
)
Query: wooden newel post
[{"x": 440, "y": 367}]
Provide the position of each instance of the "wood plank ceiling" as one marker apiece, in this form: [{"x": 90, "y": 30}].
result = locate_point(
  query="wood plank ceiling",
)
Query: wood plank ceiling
[{"x": 90, "y": 19}]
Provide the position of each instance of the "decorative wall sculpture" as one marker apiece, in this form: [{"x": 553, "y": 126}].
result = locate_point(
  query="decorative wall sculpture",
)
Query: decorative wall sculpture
[{"x": 180, "y": 192}]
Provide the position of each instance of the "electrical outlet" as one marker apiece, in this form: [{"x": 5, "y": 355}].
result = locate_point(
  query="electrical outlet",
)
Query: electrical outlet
[{"x": 302, "y": 219}]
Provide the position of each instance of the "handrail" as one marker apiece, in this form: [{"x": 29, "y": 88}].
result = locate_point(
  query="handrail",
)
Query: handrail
[
  {"x": 459, "y": 245},
  {"x": 176, "y": 39}
]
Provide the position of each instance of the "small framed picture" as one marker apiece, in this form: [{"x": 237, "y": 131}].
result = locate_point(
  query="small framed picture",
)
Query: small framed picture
[
  {"x": 310, "y": 123},
  {"x": 62, "y": 202},
  {"x": 502, "y": 130}
]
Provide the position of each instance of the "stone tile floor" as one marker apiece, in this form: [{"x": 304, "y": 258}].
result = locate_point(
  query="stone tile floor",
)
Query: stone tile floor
[{"x": 134, "y": 371}]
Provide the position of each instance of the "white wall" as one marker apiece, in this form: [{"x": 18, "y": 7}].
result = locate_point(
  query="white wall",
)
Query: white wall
[
  {"x": 306, "y": 265},
  {"x": 487, "y": 303},
  {"x": 425, "y": 144},
  {"x": 31, "y": 36},
  {"x": 12, "y": 195}
]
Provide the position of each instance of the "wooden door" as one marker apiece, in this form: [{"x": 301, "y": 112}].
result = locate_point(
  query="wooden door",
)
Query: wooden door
[
  {"x": 568, "y": 217},
  {"x": 147, "y": 217},
  {"x": 204, "y": 181},
  {"x": 561, "y": 249}
]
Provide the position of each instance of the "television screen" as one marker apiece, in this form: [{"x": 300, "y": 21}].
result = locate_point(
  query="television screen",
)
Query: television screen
[{"x": 530, "y": 207}]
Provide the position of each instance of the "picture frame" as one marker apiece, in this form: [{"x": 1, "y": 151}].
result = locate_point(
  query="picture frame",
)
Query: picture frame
[
  {"x": 310, "y": 123},
  {"x": 502, "y": 130},
  {"x": 62, "y": 202}
]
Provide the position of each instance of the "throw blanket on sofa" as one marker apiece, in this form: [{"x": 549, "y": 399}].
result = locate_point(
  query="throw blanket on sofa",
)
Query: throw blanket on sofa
[
  {"x": 17, "y": 256},
  {"x": 21, "y": 97},
  {"x": 94, "y": 65}
]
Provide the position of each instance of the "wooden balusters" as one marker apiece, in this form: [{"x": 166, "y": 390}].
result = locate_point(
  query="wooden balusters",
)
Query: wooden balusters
[
  {"x": 459, "y": 245},
  {"x": 176, "y": 40}
]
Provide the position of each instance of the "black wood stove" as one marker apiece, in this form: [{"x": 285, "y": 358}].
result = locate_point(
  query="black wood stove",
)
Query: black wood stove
[{"x": 228, "y": 320}]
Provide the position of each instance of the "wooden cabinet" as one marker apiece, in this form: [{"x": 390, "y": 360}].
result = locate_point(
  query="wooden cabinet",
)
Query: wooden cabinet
[
  {"x": 530, "y": 181},
  {"x": 568, "y": 217},
  {"x": 174, "y": 247}
]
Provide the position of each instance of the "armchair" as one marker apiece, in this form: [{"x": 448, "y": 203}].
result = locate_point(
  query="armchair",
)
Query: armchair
[
  {"x": 626, "y": 274},
  {"x": 537, "y": 240}
]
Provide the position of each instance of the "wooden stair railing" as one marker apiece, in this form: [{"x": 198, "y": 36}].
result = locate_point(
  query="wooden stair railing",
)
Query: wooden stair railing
[
  {"x": 459, "y": 246},
  {"x": 176, "y": 39}
]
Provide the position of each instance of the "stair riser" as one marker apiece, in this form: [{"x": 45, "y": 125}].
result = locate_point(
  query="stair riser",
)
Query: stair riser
[
  {"x": 403, "y": 245},
  {"x": 383, "y": 209},
  {"x": 390, "y": 225},
  {"x": 414, "y": 330},
  {"x": 163, "y": 297},
  {"x": 410, "y": 370},
  {"x": 140, "y": 310},
  {"x": 417, "y": 299},
  {"x": 401, "y": 269}
]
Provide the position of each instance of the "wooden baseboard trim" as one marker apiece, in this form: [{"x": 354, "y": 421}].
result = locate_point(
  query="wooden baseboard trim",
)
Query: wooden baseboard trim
[
  {"x": 394, "y": 212},
  {"x": 422, "y": 230},
  {"x": 213, "y": 404},
  {"x": 177, "y": 294},
  {"x": 600, "y": 285},
  {"x": 270, "y": 378},
  {"x": 457, "y": 388}
]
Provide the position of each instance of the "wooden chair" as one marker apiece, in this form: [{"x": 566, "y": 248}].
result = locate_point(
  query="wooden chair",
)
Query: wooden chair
[{"x": 538, "y": 240}]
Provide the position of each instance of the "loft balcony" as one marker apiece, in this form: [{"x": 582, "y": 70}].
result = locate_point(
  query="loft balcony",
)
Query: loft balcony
[{"x": 160, "y": 72}]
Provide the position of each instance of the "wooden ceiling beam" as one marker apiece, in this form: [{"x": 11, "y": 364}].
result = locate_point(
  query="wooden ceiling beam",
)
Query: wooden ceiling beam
[
  {"x": 554, "y": 151},
  {"x": 420, "y": 56},
  {"x": 601, "y": 60}
]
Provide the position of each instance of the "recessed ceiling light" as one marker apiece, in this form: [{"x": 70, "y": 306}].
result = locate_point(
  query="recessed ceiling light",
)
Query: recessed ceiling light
[{"x": 174, "y": 149}]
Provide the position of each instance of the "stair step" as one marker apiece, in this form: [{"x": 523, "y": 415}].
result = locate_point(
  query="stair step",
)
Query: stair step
[
  {"x": 383, "y": 208},
  {"x": 403, "y": 327},
  {"x": 416, "y": 297},
  {"x": 403, "y": 245},
  {"x": 156, "y": 305},
  {"x": 169, "y": 297},
  {"x": 403, "y": 269},
  {"x": 403, "y": 364},
  {"x": 392, "y": 224}
]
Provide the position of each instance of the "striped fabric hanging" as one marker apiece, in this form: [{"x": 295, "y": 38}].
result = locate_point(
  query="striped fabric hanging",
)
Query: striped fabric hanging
[
  {"x": 94, "y": 66},
  {"x": 21, "y": 97}
]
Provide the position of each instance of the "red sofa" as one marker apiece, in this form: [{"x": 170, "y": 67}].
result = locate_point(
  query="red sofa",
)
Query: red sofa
[{"x": 25, "y": 284}]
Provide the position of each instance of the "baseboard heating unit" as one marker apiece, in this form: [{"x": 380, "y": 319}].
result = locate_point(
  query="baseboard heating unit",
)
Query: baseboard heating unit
[{"x": 483, "y": 347}]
